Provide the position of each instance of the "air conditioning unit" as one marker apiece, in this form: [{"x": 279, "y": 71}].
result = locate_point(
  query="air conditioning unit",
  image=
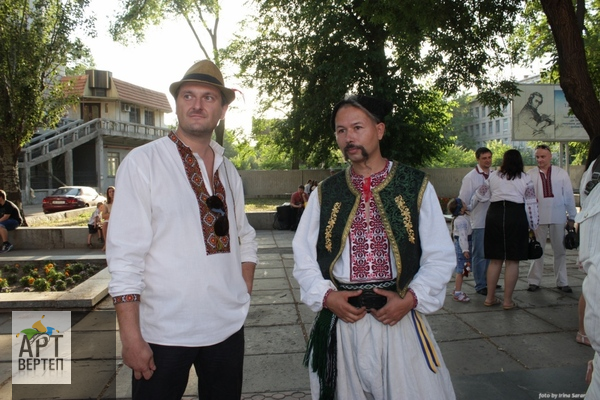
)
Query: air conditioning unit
[{"x": 126, "y": 107}]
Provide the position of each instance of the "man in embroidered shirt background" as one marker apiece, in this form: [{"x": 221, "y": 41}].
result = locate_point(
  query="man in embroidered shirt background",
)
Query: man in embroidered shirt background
[
  {"x": 181, "y": 252},
  {"x": 470, "y": 183},
  {"x": 372, "y": 254},
  {"x": 556, "y": 205}
]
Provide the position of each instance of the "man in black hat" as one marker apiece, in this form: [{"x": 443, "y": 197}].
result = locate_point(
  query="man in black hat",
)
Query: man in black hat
[
  {"x": 372, "y": 255},
  {"x": 181, "y": 252}
]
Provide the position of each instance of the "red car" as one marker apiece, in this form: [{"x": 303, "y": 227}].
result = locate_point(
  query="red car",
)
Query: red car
[{"x": 71, "y": 197}]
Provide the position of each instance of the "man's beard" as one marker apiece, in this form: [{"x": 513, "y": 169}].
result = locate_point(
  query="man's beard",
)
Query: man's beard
[{"x": 353, "y": 146}]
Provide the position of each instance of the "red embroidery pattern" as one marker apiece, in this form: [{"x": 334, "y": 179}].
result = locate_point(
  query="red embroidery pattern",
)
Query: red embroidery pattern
[
  {"x": 369, "y": 245},
  {"x": 214, "y": 244},
  {"x": 547, "y": 183},
  {"x": 126, "y": 298}
]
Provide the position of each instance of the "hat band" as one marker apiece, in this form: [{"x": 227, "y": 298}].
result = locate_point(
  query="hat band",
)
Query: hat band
[{"x": 202, "y": 77}]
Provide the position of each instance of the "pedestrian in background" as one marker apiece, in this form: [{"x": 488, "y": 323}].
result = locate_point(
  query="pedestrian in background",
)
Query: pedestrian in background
[
  {"x": 556, "y": 205},
  {"x": 462, "y": 236},
  {"x": 470, "y": 183},
  {"x": 589, "y": 256},
  {"x": 10, "y": 219},
  {"x": 512, "y": 212}
]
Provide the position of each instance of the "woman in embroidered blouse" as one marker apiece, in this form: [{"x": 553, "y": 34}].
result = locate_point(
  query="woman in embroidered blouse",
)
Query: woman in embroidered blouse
[{"x": 513, "y": 211}]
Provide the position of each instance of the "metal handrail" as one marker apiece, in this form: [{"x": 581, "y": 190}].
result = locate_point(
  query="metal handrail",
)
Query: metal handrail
[{"x": 58, "y": 138}]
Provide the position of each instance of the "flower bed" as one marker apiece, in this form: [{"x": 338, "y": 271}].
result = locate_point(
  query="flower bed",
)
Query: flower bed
[{"x": 44, "y": 276}]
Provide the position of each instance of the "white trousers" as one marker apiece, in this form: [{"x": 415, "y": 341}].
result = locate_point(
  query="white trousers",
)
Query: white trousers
[
  {"x": 557, "y": 235},
  {"x": 382, "y": 362}
]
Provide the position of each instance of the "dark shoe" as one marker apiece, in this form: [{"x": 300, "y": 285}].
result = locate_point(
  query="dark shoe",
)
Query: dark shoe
[
  {"x": 483, "y": 291},
  {"x": 565, "y": 289},
  {"x": 498, "y": 286},
  {"x": 6, "y": 247},
  {"x": 532, "y": 288}
]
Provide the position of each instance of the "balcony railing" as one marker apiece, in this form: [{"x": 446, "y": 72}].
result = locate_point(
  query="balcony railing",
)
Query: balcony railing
[{"x": 55, "y": 142}]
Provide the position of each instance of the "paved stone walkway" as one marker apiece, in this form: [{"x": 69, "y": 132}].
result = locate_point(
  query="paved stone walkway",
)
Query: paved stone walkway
[{"x": 526, "y": 353}]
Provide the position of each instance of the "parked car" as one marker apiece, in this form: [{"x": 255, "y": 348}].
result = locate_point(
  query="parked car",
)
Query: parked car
[{"x": 71, "y": 197}]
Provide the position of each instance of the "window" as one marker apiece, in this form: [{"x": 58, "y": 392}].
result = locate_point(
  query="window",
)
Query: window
[
  {"x": 99, "y": 92},
  {"x": 505, "y": 125},
  {"x": 483, "y": 129},
  {"x": 149, "y": 118},
  {"x": 497, "y": 126},
  {"x": 490, "y": 127},
  {"x": 476, "y": 112},
  {"x": 112, "y": 163},
  {"x": 134, "y": 115},
  {"x": 476, "y": 130}
]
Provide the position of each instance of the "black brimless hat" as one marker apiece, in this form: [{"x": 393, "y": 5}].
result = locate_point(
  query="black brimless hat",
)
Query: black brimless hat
[{"x": 379, "y": 108}]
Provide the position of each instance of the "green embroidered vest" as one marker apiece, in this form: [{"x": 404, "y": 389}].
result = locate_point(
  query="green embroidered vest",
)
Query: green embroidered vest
[{"x": 398, "y": 200}]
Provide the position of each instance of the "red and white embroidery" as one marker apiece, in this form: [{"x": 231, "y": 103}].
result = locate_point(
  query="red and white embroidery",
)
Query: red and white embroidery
[{"x": 369, "y": 245}]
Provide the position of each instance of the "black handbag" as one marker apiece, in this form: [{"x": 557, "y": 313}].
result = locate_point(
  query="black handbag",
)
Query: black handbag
[
  {"x": 571, "y": 240},
  {"x": 535, "y": 249}
]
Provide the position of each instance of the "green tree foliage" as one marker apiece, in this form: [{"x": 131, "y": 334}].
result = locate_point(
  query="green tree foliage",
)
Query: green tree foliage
[
  {"x": 36, "y": 41},
  {"x": 201, "y": 16},
  {"x": 137, "y": 15},
  {"x": 462, "y": 116},
  {"x": 454, "y": 157},
  {"x": 306, "y": 55}
]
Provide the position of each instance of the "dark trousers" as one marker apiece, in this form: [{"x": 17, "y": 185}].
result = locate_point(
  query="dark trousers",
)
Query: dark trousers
[
  {"x": 219, "y": 369},
  {"x": 295, "y": 216}
]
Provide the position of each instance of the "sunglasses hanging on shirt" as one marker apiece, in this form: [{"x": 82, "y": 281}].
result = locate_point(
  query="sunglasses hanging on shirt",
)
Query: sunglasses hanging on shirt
[{"x": 216, "y": 205}]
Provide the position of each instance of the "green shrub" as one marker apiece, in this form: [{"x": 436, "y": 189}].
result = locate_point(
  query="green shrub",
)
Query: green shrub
[
  {"x": 28, "y": 268},
  {"x": 41, "y": 285},
  {"x": 11, "y": 268},
  {"x": 27, "y": 281},
  {"x": 12, "y": 279},
  {"x": 60, "y": 285}
]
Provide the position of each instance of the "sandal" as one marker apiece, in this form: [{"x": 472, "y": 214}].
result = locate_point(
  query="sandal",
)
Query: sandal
[
  {"x": 91, "y": 246},
  {"x": 460, "y": 297},
  {"x": 496, "y": 302},
  {"x": 510, "y": 306},
  {"x": 582, "y": 339}
]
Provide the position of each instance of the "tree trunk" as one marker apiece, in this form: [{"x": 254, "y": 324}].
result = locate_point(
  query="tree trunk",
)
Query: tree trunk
[{"x": 575, "y": 79}]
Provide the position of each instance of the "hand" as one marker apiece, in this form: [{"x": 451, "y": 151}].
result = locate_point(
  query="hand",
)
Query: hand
[
  {"x": 467, "y": 255},
  {"x": 395, "y": 309},
  {"x": 138, "y": 356},
  {"x": 337, "y": 302},
  {"x": 570, "y": 224},
  {"x": 589, "y": 372}
]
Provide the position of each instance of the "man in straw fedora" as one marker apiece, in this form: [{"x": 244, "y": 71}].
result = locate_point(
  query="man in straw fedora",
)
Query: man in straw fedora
[{"x": 181, "y": 252}]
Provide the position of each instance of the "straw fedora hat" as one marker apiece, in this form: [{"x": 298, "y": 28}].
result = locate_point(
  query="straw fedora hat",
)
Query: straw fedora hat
[{"x": 204, "y": 71}]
